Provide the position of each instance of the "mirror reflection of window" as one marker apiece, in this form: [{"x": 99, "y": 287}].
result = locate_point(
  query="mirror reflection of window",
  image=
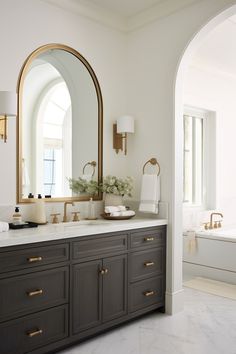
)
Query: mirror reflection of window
[{"x": 54, "y": 120}]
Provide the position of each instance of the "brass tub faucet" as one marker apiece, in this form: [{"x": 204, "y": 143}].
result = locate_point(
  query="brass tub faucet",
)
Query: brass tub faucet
[{"x": 215, "y": 224}]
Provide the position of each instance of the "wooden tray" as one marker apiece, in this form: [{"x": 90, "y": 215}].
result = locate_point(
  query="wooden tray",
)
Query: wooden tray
[{"x": 108, "y": 217}]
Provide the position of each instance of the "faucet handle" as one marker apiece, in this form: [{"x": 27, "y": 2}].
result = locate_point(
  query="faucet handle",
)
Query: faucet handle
[
  {"x": 206, "y": 225},
  {"x": 55, "y": 219},
  {"x": 76, "y": 215}
]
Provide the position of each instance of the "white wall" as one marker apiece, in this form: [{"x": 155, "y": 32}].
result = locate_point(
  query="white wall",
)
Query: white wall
[
  {"x": 210, "y": 88},
  {"x": 148, "y": 70},
  {"x": 31, "y": 24},
  {"x": 154, "y": 53}
]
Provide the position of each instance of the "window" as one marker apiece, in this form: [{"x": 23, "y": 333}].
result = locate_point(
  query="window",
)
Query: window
[
  {"x": 54, "y": 121},
  {"x": 199, "y": 157}
]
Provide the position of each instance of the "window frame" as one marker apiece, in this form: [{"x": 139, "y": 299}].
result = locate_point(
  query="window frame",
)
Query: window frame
[{"x": 208, "y": 156}]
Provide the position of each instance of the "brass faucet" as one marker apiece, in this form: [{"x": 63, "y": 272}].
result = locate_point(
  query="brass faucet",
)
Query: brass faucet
[
  {"x": 65, "y": 212},
  {"x": 217, "y": 223}
]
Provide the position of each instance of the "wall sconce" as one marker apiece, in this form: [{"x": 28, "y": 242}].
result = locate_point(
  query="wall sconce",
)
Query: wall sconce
[
  {"x": 7, "y": 109},
  {"x": 124, "y": 125}
]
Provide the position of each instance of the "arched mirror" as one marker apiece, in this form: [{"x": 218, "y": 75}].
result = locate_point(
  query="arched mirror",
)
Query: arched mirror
[{"x": 59, "y": 125}]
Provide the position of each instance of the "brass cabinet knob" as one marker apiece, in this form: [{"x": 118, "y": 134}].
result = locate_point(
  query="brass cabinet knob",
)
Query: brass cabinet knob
[
  {"x": 103, "y": 271},
  {"x": 149, "y": 293},
  {"x": 149, "y": 239},
  {"x": 34, "y": 259},
  {"x": 148, "y": 264},
  {"x": 35, "y": 333},
  {"x": 35, "y": 292}
]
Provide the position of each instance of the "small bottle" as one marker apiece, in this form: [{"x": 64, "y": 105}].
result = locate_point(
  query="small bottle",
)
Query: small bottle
[
  {"x": 91, "y": 209},
  {"x": 40, "y": 213},
  {"x": 16, "y": 217}
]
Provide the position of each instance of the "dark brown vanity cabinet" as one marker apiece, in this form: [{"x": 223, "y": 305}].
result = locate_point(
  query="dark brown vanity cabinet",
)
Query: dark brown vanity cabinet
[
  {"x": 56, "y": 293},
  {"x": 99, "y": 292}
]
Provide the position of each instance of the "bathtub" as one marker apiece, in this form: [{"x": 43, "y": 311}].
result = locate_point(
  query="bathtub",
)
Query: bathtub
[{"x": 214, "y": 256}]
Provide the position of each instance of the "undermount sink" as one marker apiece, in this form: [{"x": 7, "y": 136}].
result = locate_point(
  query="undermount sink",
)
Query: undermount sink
[{"x": 84, "y": 223}]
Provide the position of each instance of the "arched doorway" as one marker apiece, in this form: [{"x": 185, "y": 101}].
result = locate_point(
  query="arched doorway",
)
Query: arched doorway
[{"x": 178, "y": 134}]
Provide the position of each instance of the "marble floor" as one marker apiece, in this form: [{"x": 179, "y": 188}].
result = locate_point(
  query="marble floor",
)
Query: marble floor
[{"x": 206, "y": 326}]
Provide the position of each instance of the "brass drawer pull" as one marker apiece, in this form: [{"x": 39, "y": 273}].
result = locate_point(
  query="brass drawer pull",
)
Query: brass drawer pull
[
  {"x": 103, "y": 271},
  {"x": 34, "y": 259},
  {"x": 149, "y": 239},
  {"x": 149, "y": 264},
  {"x": 35, "y": 292},
  {"x": 35, "y": 333},
  {"x": 149, "y": 293}
]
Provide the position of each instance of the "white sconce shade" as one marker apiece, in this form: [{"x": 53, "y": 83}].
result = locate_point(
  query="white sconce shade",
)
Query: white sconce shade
[
  {"x": 8, "y": 108},
  {"x": 125, "y": 124},
  {"x": 8, "y": 104}
]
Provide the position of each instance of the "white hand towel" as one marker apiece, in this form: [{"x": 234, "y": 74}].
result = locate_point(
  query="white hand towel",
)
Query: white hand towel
[
  {"x": 112, "y": 209},
  {"x": 191, "y": 242},
  {"x": 150, "y": 194},
  {"x": 4, "y": 226},
  {"x": 123, "y": 213}
]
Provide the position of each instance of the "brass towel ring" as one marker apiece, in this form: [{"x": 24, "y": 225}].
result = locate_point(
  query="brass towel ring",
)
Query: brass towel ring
[
  {"x": 152, "y": 161},
  {"x": 91, "y": 163}
]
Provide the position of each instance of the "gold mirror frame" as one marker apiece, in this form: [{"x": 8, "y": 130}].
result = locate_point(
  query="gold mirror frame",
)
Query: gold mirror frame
[{"x": 20, "y": 83}]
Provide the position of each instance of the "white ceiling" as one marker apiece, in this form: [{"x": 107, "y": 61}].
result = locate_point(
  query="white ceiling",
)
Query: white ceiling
[
  {"x": 124, "y": 15},
  {"x": 126, "y": 8},
  {"x": 217, "y": 53}
]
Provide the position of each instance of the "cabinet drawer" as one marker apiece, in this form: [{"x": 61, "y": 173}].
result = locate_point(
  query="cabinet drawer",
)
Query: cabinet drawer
[
  {"x": 148, "y": 238},
  {"x": 99, "y": 245},
  {"x": 146, "y": 293},
  {"x": 144, "y": 264},
  {"x": 34, "y": 331},
  {"x": 31, "y": 292},
  {"x": 32, "y": 257}
]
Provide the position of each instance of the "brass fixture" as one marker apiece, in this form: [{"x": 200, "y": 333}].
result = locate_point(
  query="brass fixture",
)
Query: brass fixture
[
  {"x": 35, "y": 333},
  {"x": 149, "y": 239},
  {"x": 65, "y": 207},
  {"x": 35, "y": 292},
  {"x": 55, "y": 219},
  {"x": 217, "y": 223},
  {"x": 153, "y": 161},
  {"x": 148, "y": 264},
  {"x": 103, "y": 271},
  {"x": 3, "y": 128},
  {"x": 124, "y": 125},
  {"x": 76, "y": 215},
  {"x": 149, "y": 293},
  {"x": 7, "y": 109},
  {"x": 90, "y": 163},
  {"x": 35, "y": 259}
]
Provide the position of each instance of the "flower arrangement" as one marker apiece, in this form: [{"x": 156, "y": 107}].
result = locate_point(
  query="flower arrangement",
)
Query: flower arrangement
[
  {"x": 81, "y": 185},
  {"x": 117, "y": 186}
]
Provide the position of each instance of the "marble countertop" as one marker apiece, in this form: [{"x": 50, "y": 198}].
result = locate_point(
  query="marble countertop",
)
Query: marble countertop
[{"x": 61, "y": 231}]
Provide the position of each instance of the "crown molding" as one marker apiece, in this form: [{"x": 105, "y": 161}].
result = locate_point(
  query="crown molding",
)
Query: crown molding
[
  {"x": 119, "y": 22},
  {"x": 156, "y": 12}
]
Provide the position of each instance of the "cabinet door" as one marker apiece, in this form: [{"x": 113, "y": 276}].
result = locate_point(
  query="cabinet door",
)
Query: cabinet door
[
  {"x": 114, "y": 287},
  {"x": 87, "y": 295}
]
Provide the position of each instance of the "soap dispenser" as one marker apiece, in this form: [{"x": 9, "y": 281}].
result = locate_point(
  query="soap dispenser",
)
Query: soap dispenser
[
  {"x": 91, "y": 210},
  {"x": 16, "y": 217},
  {"x": 40, "y": 213}
]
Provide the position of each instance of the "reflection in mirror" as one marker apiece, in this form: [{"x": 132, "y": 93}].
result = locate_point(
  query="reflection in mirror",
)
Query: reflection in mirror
[{"x": 60, "y": 123}]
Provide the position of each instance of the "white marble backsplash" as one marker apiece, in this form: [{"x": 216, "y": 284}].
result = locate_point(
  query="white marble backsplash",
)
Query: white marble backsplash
[{"x": 6, "y": 211}]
